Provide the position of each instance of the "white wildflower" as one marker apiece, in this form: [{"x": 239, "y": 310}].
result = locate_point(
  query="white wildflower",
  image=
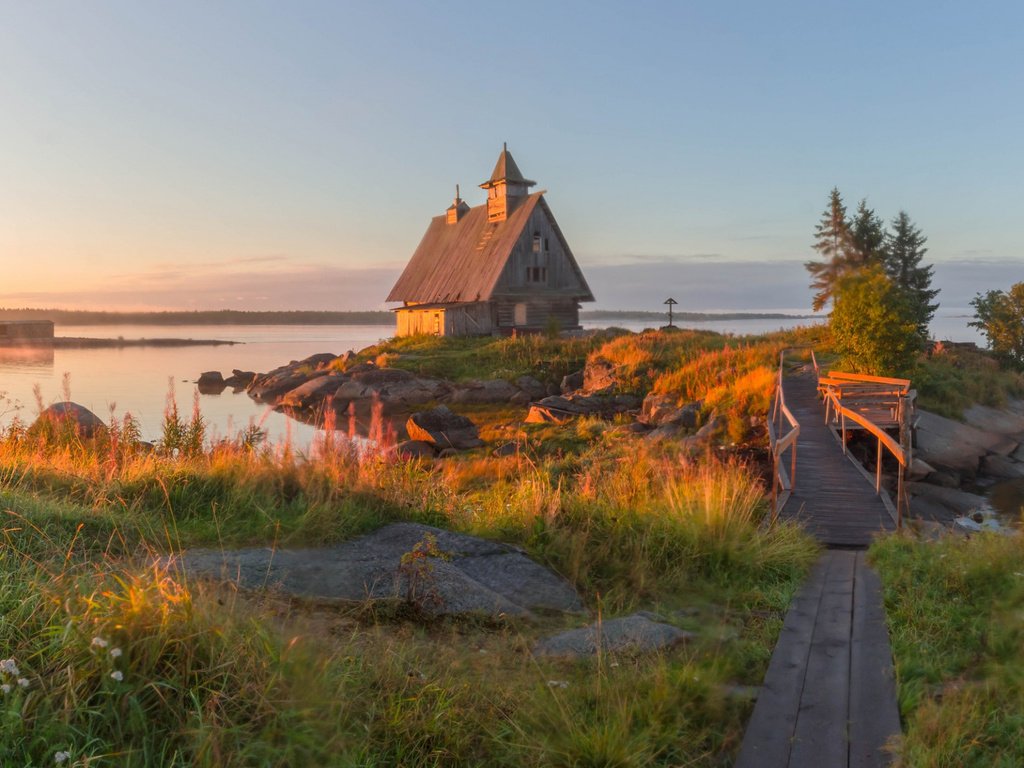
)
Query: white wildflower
[
  {"x": 558, "y": 683},
  {"x": 23, "y": 682},
  {"x": 61, "y": 757},
  {"x": 115, "y": 653},
  {"x": 118, "y": 675},
  {"x": 8, "y": 666},
  {"x": 99, "y": 642},
  {"x": 6, "y": 687}
]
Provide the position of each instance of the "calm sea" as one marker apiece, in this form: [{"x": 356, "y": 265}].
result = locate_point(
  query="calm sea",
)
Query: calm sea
[{"x": 139, "y": 380}]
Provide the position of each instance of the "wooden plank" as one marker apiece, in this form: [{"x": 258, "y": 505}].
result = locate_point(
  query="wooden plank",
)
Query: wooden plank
[
  {"x": 820, "y": 738},
  {"x": 767, "y": 740},
  {"x": 874, "y": 714}
]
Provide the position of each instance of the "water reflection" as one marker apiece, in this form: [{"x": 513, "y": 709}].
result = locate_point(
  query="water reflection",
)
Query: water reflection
[
  {"x": 26, "y": 357},
  {"x": 1007, "y": 499}
]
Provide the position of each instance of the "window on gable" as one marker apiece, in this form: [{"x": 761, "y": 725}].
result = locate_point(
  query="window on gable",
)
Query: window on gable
[{"x": 536, "y": 242}]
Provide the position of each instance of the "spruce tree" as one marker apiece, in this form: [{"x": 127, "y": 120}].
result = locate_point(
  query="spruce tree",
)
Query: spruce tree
[
  {"x": 904, "y": 251},
  {"x": 833, "y": 243},
  {"x": 867, "y": 238}
]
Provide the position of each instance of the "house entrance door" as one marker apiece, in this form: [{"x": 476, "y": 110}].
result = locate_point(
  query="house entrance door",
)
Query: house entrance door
[{"x": 520, "y": 314}]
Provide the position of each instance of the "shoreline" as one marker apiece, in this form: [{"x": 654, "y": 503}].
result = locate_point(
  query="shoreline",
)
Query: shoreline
[{"x": 75, "y": 342}]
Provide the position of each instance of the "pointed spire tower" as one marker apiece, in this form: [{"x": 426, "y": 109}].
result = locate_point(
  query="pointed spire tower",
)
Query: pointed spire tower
[
  {"x": 457, "y": 209},
  {"x": 506, "y": 187}
]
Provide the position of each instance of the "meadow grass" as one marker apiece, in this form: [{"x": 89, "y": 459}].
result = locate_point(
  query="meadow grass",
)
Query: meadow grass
[
  {"x": 210, "y": 677},
  {"x": 955, "y": 610}
]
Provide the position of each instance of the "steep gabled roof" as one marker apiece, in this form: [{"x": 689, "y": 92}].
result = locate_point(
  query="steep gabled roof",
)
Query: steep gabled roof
[{"x": 462, "y": 262}]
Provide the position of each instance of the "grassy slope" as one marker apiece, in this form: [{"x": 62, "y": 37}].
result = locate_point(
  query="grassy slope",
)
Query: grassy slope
[
  {"x": 955, "y": 615},
  {"x": 214, "y": 678}
]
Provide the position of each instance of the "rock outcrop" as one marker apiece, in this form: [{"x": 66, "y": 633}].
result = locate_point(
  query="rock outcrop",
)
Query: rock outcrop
[
  {"x": 452, "y": 574},
  {"x": 630, "y": 634},
  {"x": 67, "y": 414},
  {"x": 443, "y": 429}
]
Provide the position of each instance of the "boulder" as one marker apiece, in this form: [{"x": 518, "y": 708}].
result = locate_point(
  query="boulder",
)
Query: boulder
[
  {"x": 507, "y": 449},
  {"x": 410, "y": 450},
  {"x": 210, "y": 378},
  {"x": 946, "y": 443},
  {"x": 953, "y": 499},
  {"x": 491, "y": 391},
  {"x": 457, "y": 575},
  {"x": 313, "y": 393},
  {"x": 531, "y": 387},
  {"x": 271, "y": 387},
  {"x": 240, "y": 379},
  {"x": 629, "y": 634},
  {"x": 995, "y": 465},
  {"x": 1000, "y": 422},
  {"x": 443, "y": 429},
  {"x": 84, "y": 422},
  {"x": 658, "y": 410},
  {"x": 599, "y": 376},
  {"x": 919, "y": 469},
  {"x": 396, "y": 389},
  {"x": 571, "y": 382}
]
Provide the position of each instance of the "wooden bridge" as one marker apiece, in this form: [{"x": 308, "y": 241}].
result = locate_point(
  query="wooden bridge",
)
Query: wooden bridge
[{"x": 828, "y": 698}]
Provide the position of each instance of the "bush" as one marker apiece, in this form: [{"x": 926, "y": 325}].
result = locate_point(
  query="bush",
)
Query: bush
[{"x": 873, "y": 326}]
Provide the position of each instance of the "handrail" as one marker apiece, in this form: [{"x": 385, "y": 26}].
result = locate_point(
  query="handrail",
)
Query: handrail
[
  {"x": 900, "y": 403},
  {"x": 779, "y": 445}
]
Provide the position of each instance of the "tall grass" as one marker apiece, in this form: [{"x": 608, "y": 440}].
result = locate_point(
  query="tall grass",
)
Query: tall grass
[{"x": 954, "y": 610}]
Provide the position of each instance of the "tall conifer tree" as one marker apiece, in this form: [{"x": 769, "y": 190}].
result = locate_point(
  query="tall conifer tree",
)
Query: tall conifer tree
[
  {"x": 868, "y": 238},
  {"x": 833, "y": 243},
  {"x": 904, "y": 251}
]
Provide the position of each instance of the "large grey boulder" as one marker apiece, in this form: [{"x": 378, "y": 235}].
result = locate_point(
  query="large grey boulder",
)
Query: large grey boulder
[
  {"x": 67, "y": 414},
  {"x": 1003, "y": 467},
  {"x": 272, "y": 386},
  {"x": 444, "y": 429},
  {"x": 394, "y": 388},
  {"x": 562, "y": 408},
  {"x": 954, "y": 500},
  {"x": 599, "y": 377},
  {"x": 571, "y": 382},
  {"x": 999, "y": 421},
  {"x": 531, "y": 387},
  {"x": 658, "y": 410},
  {"x": 629, "y": 634},
  {"x": 490, "y": 391},
  {"x": 943, "y": 442},
  {"x": 453, "y": 573},
  {"x": 312, "y": 393}
]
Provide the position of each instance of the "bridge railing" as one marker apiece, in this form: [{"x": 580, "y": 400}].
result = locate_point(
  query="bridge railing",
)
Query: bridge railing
[
  {"x": 783, "y": 432},
  {"x": 876, "y": 404}
]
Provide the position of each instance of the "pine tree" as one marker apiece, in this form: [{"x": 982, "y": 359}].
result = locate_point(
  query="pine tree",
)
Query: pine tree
[
  {"x": 904, "y": 251},
  {"x": 832, "y": 241},
  {"x": 868, "y": 238}
]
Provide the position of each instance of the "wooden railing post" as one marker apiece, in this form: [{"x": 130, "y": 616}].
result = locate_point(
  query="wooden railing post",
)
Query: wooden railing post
[{"x": 878, "y": 469}]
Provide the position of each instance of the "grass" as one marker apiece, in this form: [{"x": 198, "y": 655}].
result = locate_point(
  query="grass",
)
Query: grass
[
  {"x": 954, "y": 609},
  {"x": 211, "y": 677}
]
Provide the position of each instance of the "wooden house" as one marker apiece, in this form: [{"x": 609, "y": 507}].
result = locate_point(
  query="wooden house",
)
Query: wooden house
[
  {"x": 25, "y": 331},
  {"x": 500, "y": 267}
]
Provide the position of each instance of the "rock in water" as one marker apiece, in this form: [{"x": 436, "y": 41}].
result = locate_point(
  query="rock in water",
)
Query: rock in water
[
  {"x": 85, "y": 422},
  {"x": 632, "y": 634},
  {"x": 444, "y": 429}
]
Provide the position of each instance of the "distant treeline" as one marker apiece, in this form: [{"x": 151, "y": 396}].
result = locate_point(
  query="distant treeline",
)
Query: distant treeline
[
  {"x": 210, "y": 317},
  {"x": 302, "y": 317},
  {"x": 627, "y": 314}
]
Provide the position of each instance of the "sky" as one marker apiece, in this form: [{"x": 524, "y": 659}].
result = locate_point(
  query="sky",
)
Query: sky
[{"x": 268, "y": 155}]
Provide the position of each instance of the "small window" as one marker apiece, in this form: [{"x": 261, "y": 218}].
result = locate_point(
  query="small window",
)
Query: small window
[
  {"x": 536, "y": 274},
  {"x": 547, "y": 245},
  {"x": 536, "y": 242}
]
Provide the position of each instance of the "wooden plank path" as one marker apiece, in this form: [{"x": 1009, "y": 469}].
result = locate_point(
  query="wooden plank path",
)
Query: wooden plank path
[
  {"x": 830, "y": 498},
  {"x": 829, "y": 697}
]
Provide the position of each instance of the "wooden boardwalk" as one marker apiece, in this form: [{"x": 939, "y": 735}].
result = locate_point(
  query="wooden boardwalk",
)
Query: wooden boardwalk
[
  {"x": 831, "y": 498},
  {"x": 829, "y": 698}
]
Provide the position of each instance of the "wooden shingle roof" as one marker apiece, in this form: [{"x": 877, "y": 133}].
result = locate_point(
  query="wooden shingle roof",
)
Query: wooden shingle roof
[{"x": 462, "y": 262}]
